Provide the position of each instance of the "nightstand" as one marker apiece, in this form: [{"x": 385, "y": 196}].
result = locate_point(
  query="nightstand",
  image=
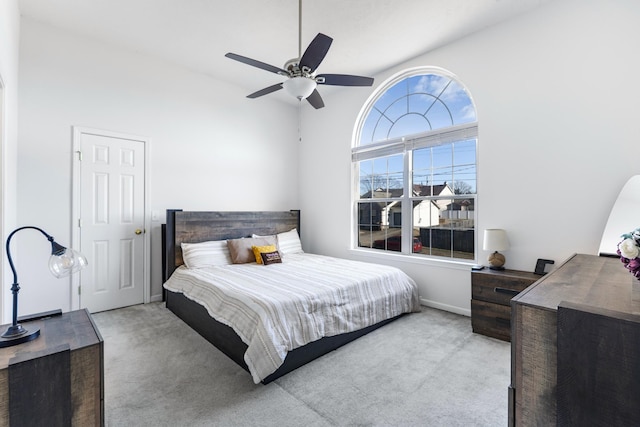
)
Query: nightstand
[
  {"x": 57, "y": 378},
  {"x": 491, "y": 293}
]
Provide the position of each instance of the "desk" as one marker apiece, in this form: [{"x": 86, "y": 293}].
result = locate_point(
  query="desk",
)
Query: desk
[{"x": 69, "y": 346}]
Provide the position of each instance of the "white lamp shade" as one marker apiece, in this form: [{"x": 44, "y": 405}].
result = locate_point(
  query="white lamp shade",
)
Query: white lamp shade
[
  {"x": 495, "y": 239},
  {"x": 300, "y": 87}
]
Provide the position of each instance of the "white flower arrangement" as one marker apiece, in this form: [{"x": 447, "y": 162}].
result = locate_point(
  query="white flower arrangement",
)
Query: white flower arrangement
[{"x": 629, "y": 251}]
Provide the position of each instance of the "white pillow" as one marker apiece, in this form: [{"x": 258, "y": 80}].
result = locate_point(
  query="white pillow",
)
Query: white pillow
[
  {"x": 270, "y": 239},
  {"x": 206, "y": 254},
  {"x": 289, "y": 242}
]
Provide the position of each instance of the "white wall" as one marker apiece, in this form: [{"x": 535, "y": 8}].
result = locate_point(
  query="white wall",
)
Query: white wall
[
  {"x": 556, "y": 92},
  {"x": 9, "y": 43},
  {"x": 210, "y": 146}
]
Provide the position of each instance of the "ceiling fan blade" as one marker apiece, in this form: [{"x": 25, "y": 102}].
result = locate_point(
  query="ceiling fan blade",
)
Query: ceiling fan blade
[
  {"x": 315, "y": 99},
  {"x": 316, "y": 51},
  {"x": 265, "y": 91},
  {"x": 257, "y": 64},
  {"x": 343, "y": 80}
]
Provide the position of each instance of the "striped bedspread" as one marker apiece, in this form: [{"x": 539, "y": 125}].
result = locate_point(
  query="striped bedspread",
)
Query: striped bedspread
[{"x": 279, "y": 307}]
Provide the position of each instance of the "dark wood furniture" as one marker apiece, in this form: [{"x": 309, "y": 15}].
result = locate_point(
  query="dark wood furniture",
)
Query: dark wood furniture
[
  {"x": 598, "y": 366},
  {"x": 491, "y": 293},
  {"x": 585, "y": 286},
  {"x": 195, "y": 227},
  {"x": 56, "y": 379}
]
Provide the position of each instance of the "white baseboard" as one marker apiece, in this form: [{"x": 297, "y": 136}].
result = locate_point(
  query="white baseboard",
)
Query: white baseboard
[
  {"x": 445, "y": 307},
  {"x": 156, "y": 298}
]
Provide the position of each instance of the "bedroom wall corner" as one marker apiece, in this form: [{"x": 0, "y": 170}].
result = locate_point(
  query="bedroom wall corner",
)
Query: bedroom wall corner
[
  {"x": 9, "y": 60},
  {"x": 556, "y": 138},
  {"x": 212, "y": 148}
]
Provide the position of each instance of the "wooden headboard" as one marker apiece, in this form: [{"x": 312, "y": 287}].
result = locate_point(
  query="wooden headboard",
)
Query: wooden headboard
[{"x": 199, "y": 226}]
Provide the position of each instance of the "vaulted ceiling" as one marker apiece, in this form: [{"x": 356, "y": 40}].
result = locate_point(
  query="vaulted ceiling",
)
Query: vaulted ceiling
[{"x": 369, "y": 35}]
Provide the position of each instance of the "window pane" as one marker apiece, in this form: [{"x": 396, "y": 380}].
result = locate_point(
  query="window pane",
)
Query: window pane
[
  {"x": 381, "y": 177},
  {"x": 420, "y": 103},
  {"x": 396, "y": 91},
  {"x": 365, "y": 172},
  {"x": 416, "y": 245},
  {"x": 432, "y": 167},
  {"x": 435, "y": 113},
  {"x": 459, "y": 103},
  {"x": 461, "y": 214},
  {"x": 464, "y": 171},
  {"x": 422, "y": 169},
  {"x": 396, "y": 110},
  {"x": 380, "y": 225},
  {"x": 438, "y": 115},
  {"x": 367, "y": 130},
  {"x": 447, "y": 228},
  {"x": 409, "y": 124},
  {"x": 368, "y": 223},
  {"x": 442, "y": 164},
  {"x": 430, "y": 84}
]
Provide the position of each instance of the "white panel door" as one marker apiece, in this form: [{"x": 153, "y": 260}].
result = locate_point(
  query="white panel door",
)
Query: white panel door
[{"x": 112, "y": 221}]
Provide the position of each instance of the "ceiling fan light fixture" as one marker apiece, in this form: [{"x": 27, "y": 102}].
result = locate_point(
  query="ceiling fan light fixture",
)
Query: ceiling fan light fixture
[{"x": 300, "y": 87}]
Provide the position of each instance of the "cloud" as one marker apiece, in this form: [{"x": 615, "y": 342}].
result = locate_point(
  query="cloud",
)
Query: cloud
[{"x": 450, "y": 92}]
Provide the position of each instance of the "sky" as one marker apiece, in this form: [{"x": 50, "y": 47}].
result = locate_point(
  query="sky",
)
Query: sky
[
  {"x": 412, "y": 106},
  {"x": 415, "y": 105}
]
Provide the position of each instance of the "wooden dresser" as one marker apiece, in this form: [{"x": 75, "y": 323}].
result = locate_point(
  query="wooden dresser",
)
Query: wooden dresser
[
  {"x": 56, "y": 379},
  {"x": 491, "y": 293},
  {"x": 599, "y": 324}
]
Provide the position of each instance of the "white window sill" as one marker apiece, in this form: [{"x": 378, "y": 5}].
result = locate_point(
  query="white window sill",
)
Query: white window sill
[{"x": 369, "y": 254}]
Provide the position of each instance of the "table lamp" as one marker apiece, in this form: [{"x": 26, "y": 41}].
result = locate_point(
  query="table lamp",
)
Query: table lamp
[
  {"x": 495, "y": 239},
  {"x": 63, "y": 262}
]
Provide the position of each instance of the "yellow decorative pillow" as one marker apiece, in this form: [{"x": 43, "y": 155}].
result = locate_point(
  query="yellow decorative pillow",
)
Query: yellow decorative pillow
[{"x": 257, "y": 250}]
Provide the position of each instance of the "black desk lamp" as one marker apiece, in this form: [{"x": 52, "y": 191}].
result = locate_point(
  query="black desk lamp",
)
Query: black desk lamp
[{"x": 62, "y": 263}]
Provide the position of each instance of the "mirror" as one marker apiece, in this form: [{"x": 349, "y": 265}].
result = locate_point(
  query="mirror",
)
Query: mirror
[{"x": 623, "y": 217}]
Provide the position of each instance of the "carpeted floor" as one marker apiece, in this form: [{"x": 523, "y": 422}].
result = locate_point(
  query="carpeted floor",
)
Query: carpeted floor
[{"x": 425, "y": 369}]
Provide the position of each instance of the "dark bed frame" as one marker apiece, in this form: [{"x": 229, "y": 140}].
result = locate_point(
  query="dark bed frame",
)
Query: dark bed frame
[{"x": 193, "y": 227}]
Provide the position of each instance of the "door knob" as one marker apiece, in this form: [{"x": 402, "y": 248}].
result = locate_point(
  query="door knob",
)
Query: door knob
[{"x": 138, "y": 231}]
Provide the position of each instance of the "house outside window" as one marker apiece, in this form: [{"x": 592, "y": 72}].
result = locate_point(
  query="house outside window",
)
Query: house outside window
[{"x": 414, "y": 168}]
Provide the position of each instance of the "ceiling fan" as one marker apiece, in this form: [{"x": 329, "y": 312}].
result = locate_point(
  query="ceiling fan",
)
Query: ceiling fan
[{"x": 301, "y": 81}]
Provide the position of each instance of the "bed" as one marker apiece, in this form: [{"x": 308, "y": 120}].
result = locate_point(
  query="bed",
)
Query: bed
[{"x": 205, "y": 298}]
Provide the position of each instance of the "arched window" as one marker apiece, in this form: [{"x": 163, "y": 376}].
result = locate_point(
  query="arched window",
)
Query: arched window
[{"x": 414, "y": 163}]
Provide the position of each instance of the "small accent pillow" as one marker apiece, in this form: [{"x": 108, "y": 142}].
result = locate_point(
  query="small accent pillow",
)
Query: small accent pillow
[
  {"x": 270, "y": 257},
  {"x": 205, "y": 254},
  {"x": 289, "y": 242},
  {"x": 240, "y": 249},
  {"x": 258, "y": 250}
]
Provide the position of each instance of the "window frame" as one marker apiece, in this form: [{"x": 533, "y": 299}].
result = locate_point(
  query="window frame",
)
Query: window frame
[{"x": 406, "y": 145}]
